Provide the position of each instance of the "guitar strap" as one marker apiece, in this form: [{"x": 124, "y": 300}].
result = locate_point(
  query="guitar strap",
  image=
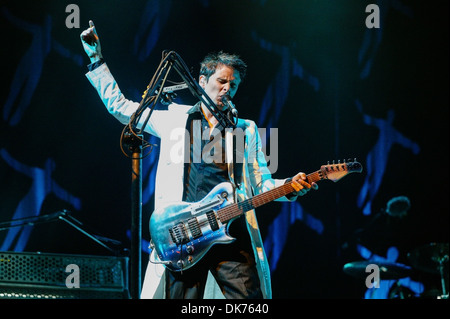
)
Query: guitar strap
[
  {"x": 229, "y": 154},
  {"x": 234, "y": 164}
]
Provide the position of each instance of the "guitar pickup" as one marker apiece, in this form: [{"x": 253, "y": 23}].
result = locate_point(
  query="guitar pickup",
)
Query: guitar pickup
[
  {"x": 194, "y": 227},
  {"x": 212, "y": 220}
]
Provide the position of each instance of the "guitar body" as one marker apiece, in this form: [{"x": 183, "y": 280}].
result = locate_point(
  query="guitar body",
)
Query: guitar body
[{"x": 182, "y": 233}]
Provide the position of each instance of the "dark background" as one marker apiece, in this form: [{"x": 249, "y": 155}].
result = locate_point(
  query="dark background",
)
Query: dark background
[{"x": 319, "y": 120}]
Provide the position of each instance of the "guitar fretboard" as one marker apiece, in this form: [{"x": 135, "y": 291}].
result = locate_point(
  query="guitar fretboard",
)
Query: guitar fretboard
[{"x": 234, "y": 210}]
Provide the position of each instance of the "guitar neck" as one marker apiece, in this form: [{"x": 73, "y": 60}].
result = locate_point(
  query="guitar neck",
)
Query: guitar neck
[{"x": 237, "y": 209}]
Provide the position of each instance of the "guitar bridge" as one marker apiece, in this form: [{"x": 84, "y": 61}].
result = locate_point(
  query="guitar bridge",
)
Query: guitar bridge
[
  {"x": 179, "y": 234},
  {"x": 194, "y": 227}
]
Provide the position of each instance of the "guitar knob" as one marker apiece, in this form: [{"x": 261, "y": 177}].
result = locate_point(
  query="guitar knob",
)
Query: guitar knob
[
  {"x": 180, "y": 264},
  {"x": 189, "y": 249}
]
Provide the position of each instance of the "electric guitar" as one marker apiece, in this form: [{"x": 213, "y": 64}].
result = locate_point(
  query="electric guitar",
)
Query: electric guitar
[{"x": 182, "y": 233}]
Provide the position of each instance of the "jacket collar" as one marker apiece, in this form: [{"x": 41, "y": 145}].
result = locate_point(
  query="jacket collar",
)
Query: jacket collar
[{"x": 195, "y": 108}]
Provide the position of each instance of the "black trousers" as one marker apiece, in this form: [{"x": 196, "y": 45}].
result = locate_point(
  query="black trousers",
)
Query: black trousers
[{"x": 232, "y": 265}]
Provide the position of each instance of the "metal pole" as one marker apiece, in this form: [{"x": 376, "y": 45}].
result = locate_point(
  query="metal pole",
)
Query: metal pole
[{"x": 136, "y": 221}]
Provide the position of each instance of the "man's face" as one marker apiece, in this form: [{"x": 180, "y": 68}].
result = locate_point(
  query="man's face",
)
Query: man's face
[{"x": 224, "y": 81}]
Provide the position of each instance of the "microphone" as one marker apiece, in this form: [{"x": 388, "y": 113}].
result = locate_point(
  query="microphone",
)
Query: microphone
[{"x": 226, "y": 100}]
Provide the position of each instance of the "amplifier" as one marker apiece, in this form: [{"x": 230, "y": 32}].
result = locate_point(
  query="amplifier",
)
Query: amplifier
[{"x": 58, "y": 276}]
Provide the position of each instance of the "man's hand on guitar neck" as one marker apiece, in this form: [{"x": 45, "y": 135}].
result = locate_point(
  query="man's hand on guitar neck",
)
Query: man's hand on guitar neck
[{"x": 301, "y": 186}]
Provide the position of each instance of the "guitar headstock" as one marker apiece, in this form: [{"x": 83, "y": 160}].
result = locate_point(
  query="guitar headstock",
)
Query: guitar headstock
[{"x": 337, "y": 171}]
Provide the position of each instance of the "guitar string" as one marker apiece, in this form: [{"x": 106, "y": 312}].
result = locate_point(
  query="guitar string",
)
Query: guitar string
[
  {"x": 227, "y": 213},
  {"x": 236, "y": 209}
]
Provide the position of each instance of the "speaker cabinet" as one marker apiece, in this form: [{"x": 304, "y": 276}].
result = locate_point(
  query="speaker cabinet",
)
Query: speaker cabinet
[{"x": 57, "y": 276}]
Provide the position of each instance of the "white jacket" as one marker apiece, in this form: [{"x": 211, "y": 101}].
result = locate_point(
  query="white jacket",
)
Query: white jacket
[{"x": 169, "y": 125}]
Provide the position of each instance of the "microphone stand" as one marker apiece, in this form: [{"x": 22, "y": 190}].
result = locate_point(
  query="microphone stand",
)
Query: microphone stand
[
  {"x": 63, "y": 215},
  {"x": 132, "y": 137},
  {"x": 135, "y": 145}
]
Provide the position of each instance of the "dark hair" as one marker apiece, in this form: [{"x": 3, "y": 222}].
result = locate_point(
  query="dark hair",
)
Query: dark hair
[{"x": 210, "y": 63}]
